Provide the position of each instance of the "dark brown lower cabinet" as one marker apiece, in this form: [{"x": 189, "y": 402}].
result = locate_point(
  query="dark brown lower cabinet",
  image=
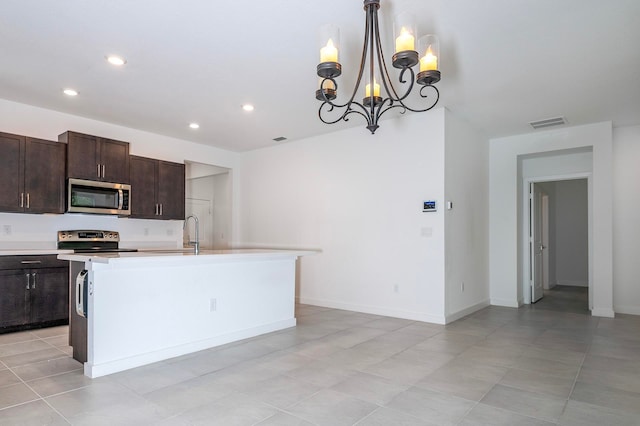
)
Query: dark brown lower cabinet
[{"x": 34, "y": 292}]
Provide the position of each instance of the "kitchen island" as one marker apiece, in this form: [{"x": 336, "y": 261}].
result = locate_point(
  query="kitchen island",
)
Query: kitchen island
[{"x": 145, "y": 307}]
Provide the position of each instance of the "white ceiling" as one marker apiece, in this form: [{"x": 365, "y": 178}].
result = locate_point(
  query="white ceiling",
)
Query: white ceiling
[{"x": 504, "y": 62}]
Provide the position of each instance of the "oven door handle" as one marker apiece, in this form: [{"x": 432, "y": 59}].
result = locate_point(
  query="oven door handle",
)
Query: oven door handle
[{"x": 80, "y": 292}]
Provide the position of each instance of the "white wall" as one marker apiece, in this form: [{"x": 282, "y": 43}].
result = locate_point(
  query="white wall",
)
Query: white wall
[
  {"x": 358, "y": 198},
  {"x": 505, "y": 251},
  {"x": 222, "y": 213},
  {"x": 467, "y": 224},
  {"x": 40, "y": 230},
  {"x": 572, "y": 226},
  {"x": 626, "y": 227}
]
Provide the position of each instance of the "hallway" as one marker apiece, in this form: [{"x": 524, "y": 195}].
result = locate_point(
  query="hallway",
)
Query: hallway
[{"x": 562, "y": 298}]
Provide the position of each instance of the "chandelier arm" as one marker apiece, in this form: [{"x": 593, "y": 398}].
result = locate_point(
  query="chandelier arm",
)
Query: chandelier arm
[
  {"x": 384, "y": 73},
  {"x": 367, "y": 30},
  {"x": 372, "y": 17},
  {"x": 392, "y": 106},
  {"x": 331, "y": 108},
  {"x": 425, "y": 96},
  {"x": 381, "y": 108},
  {"x": 353, "y": 111},
  {"x": 411, "y": 84},
  {"x": 329, "y": 101}
]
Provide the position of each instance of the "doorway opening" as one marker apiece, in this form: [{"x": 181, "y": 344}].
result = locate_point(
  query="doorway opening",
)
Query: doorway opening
[
  {"x": 558, "y": 250},
  {"x": 208, "y": 197}
]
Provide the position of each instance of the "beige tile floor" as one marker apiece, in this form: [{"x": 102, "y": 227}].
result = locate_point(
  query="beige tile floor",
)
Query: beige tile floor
[{"x": 548, "y": 364}]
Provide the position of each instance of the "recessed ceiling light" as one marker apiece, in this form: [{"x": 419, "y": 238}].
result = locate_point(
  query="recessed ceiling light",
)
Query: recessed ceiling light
[
  {"x": 248, "y": 107},
  {"x": 194, "y": 125},
  {"x": 116, "y": 60},
  {"x": 70, "y": 92}
]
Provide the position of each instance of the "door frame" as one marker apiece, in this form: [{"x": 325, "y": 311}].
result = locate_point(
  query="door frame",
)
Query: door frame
[
  {"x": 536, "y": 225},
  {"x": 526, "y": 260}
]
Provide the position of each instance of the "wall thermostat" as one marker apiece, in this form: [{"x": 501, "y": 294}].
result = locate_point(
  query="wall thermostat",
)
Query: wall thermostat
[{"x": 429, "y": 206}]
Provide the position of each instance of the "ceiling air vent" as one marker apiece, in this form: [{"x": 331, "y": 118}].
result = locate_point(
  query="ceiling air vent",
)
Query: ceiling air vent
[
  {"x": 549, "y": 122},
  {"x": 280, "y": 139}
]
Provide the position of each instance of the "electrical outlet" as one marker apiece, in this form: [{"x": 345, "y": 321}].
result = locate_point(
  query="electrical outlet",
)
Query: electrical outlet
[
  {"x": 462, "y": 287},
  {"x": 7, "y": 229},
  {"x": 213, "y": 305},
  {"x": 396, "y": 288}
]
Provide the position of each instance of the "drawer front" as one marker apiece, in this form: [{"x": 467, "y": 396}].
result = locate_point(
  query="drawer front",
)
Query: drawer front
[{"x": 32, "y": 262}]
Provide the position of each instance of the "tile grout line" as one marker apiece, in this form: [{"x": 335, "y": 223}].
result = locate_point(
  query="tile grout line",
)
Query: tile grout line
[
  {"x": 39, "y": 397},
  {"x": 575, "y": 380}
]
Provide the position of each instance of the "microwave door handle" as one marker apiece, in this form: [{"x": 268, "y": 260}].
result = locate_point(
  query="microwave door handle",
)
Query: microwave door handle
[{"x": 120, "y": 199}]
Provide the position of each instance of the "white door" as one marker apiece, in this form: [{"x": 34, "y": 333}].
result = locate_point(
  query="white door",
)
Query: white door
[{"x": 535, "y": 242}]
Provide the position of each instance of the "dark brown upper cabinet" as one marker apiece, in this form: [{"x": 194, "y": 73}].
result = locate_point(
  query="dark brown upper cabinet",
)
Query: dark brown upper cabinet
[
  {"x": 95, "y": 158},
  {"x": 157, "y": 189},
  {"x": 32, "y": 172}
]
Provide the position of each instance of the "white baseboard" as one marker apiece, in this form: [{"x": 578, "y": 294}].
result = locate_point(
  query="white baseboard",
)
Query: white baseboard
[
  {"x": 629, "y": 310},
  {"x": 606, "y": 313},
  {"x": 375, "y": 310},
  {"x": 467, "y": 311},
  {"x": 110, "y": 367},
  {"x": 572, "y": 283},
  {"x": 508, "y": 303}
]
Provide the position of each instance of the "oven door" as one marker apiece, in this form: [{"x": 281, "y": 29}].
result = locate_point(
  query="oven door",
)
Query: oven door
[{"x": 86, "y": 196}]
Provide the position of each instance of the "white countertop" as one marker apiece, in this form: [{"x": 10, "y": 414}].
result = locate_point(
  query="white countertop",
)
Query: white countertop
[
  {"x": 180, "y": 255},
  {"x": 32, "y": 252}
]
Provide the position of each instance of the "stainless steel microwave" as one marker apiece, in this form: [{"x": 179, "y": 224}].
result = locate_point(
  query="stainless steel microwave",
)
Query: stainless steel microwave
[{"x": 87, "y": 196}]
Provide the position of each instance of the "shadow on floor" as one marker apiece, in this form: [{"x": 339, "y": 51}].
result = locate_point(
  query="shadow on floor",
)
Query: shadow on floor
[{"x": 564, "y": 298}]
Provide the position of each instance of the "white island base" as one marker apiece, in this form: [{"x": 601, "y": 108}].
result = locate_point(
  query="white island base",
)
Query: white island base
[{"x": 146, "y": 307}]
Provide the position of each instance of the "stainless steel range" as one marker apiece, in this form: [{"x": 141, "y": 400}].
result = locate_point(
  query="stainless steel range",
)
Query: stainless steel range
[{"x": 91, "y": 241}]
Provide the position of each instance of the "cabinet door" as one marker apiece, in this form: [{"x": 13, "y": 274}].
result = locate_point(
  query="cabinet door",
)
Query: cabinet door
[
  {"x": 143, "y": 187},
  {"x": 44, "y": 176},
  {"x": 114, "y": 161},
  {"x": 82, "y": 156},
  {"x": 14, "y": 298},
  {"x": 171, "y": 190},
  {"x": 11, "y": 172},
  {"x": 49, "y": 294}
]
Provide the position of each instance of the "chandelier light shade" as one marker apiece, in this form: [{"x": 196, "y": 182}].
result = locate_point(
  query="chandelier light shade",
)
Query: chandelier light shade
[{"x": 379, "y": 94}]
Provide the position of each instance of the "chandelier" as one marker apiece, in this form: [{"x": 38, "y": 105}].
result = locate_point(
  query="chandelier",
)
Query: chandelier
[{"x": 373, "y": 105}]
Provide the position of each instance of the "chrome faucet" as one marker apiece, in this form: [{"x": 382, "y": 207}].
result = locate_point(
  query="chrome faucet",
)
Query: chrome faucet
[{"x": 196, "y": 243}]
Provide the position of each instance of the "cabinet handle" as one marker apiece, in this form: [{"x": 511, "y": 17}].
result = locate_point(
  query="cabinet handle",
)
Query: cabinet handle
[
  {"x": 98, "y": 170},
  {"x": 28, "y": 200},
  {"x": 103, "y": 170},
  {"x": 21, "y": 199},
  {"x": 27, "y": 280},
  {"x": 33, "y": 285},
  {"x": 30, "y": 262}
]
